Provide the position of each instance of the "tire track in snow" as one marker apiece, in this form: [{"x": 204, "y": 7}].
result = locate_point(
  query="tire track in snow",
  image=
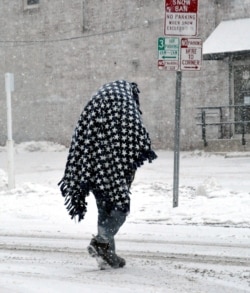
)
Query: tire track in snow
[{"x": 147, "y": 249}]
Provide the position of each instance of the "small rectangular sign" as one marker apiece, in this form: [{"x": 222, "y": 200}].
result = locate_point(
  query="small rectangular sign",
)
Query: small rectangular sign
[
  {"x": 168, "y": 53},
  {"x": 246, "y": 100},
  {"x": 181, "y": 17},
  {"x": 191, "y": 53},
  {"x": 168, "y": 65}
]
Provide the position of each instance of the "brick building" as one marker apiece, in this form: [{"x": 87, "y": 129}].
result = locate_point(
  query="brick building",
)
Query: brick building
[{"x": 62, "y": 51}]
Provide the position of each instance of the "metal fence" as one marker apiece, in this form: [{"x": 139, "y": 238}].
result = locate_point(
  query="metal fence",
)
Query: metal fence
[{"x": 228, "y": 120}]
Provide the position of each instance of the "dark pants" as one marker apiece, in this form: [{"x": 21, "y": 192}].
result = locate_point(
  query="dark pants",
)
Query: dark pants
[
  {"x": 109, "y": 223},
  {"x": 110, "y": 220}
]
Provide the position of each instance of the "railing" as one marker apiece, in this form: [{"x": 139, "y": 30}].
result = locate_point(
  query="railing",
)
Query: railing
[{"x": 225, "y": 120}]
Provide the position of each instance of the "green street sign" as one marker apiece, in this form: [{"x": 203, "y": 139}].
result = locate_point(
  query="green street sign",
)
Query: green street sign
[
  {"x": 168, "y": 53},
  {"x": 168, "y": 48}
]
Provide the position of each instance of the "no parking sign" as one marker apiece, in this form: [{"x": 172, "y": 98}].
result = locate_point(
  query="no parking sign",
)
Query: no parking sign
[{"x": 181, "y": 17}]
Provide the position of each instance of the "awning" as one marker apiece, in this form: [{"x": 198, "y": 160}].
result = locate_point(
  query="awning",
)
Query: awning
[{"x": 230, "y": 37}]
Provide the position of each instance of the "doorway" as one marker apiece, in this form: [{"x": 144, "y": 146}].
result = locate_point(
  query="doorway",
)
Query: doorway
[{"x": 242, "y": 98}]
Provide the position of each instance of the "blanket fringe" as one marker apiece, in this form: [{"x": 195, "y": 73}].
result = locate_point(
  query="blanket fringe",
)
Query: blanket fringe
[
  {"x": 149, "y": 155},
  {"x": 75, "y": 202}
]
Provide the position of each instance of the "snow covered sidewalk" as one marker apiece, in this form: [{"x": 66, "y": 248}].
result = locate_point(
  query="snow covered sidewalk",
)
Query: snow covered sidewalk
[
  {"x": 214, "y": 189},
  {"x": 201, "y": 246}
]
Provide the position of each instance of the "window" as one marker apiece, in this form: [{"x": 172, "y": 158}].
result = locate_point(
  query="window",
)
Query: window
[
  {"x": 32, "y": 2},
  {"x": 29, "y": 4}
]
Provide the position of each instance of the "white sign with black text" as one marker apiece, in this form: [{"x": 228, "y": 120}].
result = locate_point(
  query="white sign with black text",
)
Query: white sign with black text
[
  {"x": 181, "y": 17},
  {"x": 191, "y": 54}
]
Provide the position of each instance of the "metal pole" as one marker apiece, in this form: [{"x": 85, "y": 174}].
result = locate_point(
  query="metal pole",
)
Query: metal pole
[
  {"x": 177, "y": 138},
  {"x": 9, "y": 115},
  {"x": 203, "y": 127},
  {"x": 9, "y": 87},
  {"x": 231, "y": 102}
]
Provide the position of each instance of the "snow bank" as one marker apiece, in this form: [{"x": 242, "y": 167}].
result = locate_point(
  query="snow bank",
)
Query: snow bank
[
  {"x": 37, "y": 146},
  {"x": 206, "y": 205},
  {"x": 214, "y": 190}
]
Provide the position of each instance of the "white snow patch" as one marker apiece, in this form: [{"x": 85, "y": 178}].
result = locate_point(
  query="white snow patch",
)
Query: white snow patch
[
  {"x": 214, "y": 191},
  {"x": 3, "y": 180},
  {"x": 36, "y": 146}
]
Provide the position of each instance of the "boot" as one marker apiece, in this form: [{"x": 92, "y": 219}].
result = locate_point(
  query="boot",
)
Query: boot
[
  {"x": 97, "y": 248},
  {"x": 114, "y": 260},
  {"x": 102, "y": 249}
]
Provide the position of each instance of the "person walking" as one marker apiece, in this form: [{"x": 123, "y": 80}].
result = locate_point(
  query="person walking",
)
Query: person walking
[{"x": 108, "y": 145}]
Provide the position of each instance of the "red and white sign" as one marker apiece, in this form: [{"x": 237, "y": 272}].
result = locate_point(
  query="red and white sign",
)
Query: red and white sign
[
  {"x": 181, "y": 17},
  {"x": 191, "y": 53},
  {"x": 168, "y": 65}
]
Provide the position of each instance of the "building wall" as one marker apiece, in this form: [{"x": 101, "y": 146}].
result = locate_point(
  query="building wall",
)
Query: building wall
[{"x": 63, "y": 51}]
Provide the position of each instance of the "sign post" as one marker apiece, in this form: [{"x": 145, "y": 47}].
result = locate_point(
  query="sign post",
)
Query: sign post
[
  {"x": 9, "y": 87},
  {"x": 177, "y": 138},
  {"x": 179, "y": 55}
]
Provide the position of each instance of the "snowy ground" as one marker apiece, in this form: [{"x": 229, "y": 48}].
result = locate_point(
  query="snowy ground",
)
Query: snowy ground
[{"x": 201, "y": 246}]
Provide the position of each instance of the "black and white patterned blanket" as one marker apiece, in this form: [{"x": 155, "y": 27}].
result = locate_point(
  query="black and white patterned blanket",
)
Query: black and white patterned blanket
[{"x": 109, "y": 143}]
